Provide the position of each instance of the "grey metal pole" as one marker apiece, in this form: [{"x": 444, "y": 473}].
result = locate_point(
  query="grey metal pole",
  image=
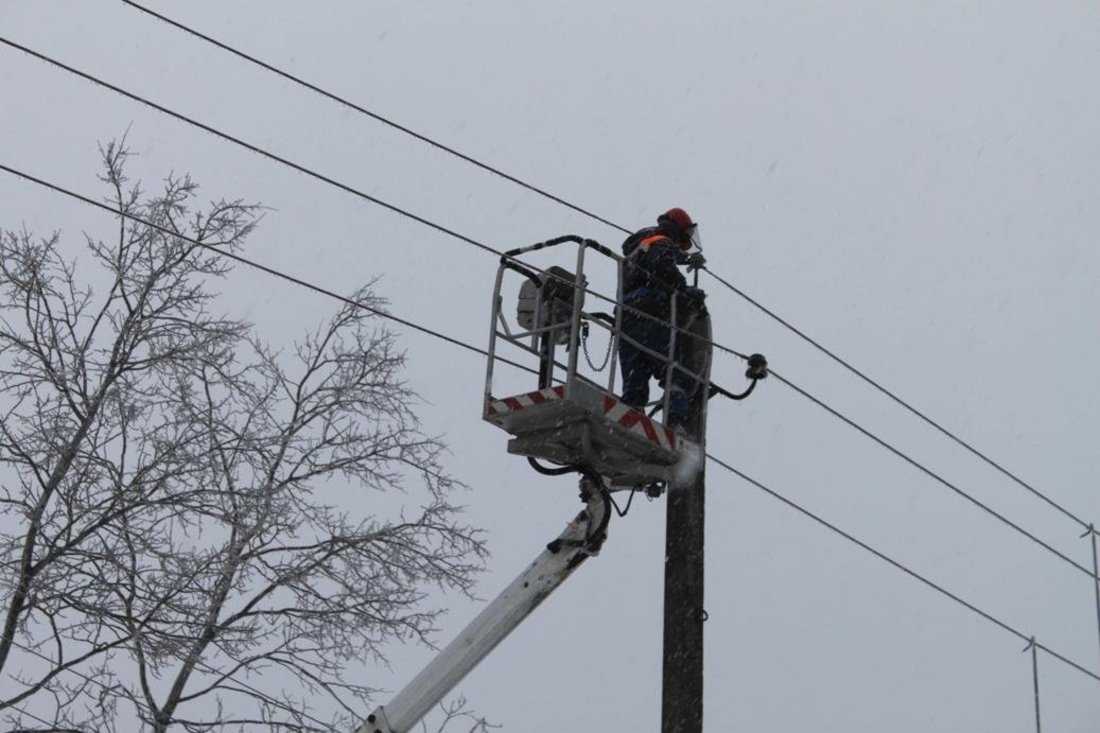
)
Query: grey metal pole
[
  {"x": 1095, "y": 578},
  {"x": 1035, "y": 682},
  {"x": 682, "y": 689}
]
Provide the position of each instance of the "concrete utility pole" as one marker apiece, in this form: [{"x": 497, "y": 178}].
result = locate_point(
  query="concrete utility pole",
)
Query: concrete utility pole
[{"x": 682, "y": 691}]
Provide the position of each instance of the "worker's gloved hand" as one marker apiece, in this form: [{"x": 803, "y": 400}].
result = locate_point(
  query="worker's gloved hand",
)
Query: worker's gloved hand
[
  {"x": 696, "y": 261},
  {"x": 694, "y": 295}
]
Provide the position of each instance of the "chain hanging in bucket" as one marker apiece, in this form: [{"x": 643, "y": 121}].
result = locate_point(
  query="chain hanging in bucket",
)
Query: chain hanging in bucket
[{"x": 587, "y": 357}]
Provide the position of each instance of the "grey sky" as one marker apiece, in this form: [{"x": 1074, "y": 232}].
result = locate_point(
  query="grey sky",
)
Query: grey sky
[{"x": 915, "y": 185}]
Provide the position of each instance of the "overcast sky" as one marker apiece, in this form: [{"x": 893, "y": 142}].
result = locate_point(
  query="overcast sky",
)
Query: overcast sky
[{"x": 916, "y": 185}]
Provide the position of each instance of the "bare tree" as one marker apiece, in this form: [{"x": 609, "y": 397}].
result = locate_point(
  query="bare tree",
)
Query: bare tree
[
  {"x": 457, "y": 712},
  {"x": 202, "y": 532}
]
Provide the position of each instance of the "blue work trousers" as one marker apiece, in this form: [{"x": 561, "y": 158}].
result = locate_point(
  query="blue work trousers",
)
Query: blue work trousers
[{"x": 639, "y": 366}]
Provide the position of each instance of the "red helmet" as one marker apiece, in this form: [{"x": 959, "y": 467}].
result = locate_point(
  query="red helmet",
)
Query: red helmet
[
  {"x": 689, "y": 230},
  {"x": 679, "y": 217}
]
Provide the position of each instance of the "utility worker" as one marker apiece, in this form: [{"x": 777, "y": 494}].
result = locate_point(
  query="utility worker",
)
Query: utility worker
[{"x": 650, "y": 279}]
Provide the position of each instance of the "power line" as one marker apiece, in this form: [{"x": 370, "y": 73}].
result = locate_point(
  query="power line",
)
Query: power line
[
  {"x": 425, "y": 222},
  {"x": 464, "y": 345},
  {"x": 264, "y": 268},
  {"x": 944, "y": 431},
  {"x": 52, "y": 727},
  {"x": 456, "y": 342},
  {"x": 930, "y": 473},
  {"x": 249, "y": 146},
  {"x": 270, "y": 270},
  {"x": 474, "y": 161},
  {"x": 375, "y": 116},
  {"x": 482, "y": 352},
  {"x": 278, "y": 273},
  {"x": 263, "y": 696},
  {"x": 898, "y": 565},
  {"x": 330, "y": 181}
]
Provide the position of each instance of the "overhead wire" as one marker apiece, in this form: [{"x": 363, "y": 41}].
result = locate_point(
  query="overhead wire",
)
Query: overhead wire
[
  {"x": 474, "y": 161},
  {"x": 898, "y": 400},
  {"x": 263, "y": 268},
  {"x": 718, "y": 461},
  {"x": 450, "y": 232},
  {"x": 929, "y": 472},
  {"x": 900, "y": 566},
  {"x": 204, "y": 666},
  {"x": 443, "y": 229},
  {"x": 249, "y": 146},
  {"x": 269, "y": 270},
  {"x": 288, "y": 278},
  {"x": 373, "y": 115},
  {"x": 455, "y": 342},
  {"x": 328, "y": 180},
  {"x": 51, "y": 727}
]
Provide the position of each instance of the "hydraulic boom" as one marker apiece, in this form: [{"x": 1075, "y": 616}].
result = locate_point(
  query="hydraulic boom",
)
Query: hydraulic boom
[{"x": 580, "y": 539}]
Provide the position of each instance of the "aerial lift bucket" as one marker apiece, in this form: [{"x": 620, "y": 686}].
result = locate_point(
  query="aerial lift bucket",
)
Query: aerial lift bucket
[{"x": 572, "y": 418}]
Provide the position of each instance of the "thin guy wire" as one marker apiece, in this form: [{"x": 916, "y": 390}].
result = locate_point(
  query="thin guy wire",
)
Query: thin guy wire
[
  {"x": 930, "y": 473},
  {"x": 330, "y": 181},
  {"x": 199, "y": 663},
  {"x": 52, "y": 727},
  {"x": 944, "y": 431},
  {"x": 375, "y": 116},
  {"x": 1095, "y": 576},
  {"x": 1035, "y": 684},
  {"x": 264, "y": 268},
  {"x": 898, "y": 565},
  {"x": 552, "y": 197}
]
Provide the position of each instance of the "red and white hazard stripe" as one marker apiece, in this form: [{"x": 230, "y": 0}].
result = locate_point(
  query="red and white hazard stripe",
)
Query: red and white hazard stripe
[
  {"x": 511, "y": 404},
  {"x": 619, "y": 412},
  {"x": 636, "y": 421}
]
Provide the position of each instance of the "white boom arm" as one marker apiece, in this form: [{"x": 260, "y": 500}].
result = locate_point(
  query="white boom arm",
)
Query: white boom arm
[{"x": 581, "y": 539}]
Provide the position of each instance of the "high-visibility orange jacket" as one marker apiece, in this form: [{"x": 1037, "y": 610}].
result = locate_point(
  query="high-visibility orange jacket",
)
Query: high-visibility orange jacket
[{"x": 649, "y": 270}]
